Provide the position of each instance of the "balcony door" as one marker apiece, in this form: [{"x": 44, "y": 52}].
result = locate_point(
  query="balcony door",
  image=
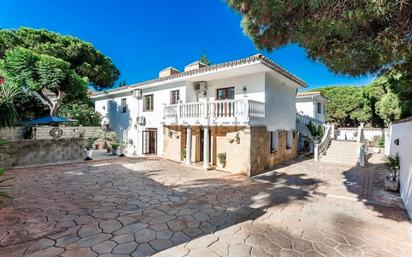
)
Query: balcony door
[
  {"x": 225, "y": 109},
  {"x": 227, "y": 93}
]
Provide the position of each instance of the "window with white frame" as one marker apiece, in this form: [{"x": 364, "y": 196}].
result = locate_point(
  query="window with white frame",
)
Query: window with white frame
[
  {"x": 289, "y": 138},
  {"x": 273, "y": 141},
  {"x": 174, "y": 96},
  {"x": 148, "y": 103}
]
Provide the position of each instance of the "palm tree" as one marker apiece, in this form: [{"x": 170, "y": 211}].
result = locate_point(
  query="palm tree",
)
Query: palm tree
[{"x": 9, "y": 95}]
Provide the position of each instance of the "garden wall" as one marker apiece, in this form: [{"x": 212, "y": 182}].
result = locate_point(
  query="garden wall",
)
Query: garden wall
[
  {"x": 401, "y": 133},
  {"x": 43, "y": 132},
  {"x": 41, "y": 151},
  {"x": 351, "y": 133}
]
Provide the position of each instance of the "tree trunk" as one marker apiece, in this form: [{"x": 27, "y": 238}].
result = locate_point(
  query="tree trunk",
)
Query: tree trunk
[{"x": 53, "y": 104}]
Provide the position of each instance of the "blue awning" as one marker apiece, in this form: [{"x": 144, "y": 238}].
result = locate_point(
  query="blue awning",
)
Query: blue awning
[{"x": 47, "y": 120}]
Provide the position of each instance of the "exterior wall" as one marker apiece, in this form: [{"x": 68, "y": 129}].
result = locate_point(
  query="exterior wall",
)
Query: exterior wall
[
  {"x": 174, "y": 141},
  {"x": 305, "y": 107},
  {"x": 43, "y": 132},
  {"x": 350, "y": 133},
  {"x": 15, "y": 133},
  {"x": 280, "y": 102},
  {"x": 402, "y": 131},
  {"x": 261, "y": 156},
  {"x": 237, "y": 153},
  {"x": 125, "y": 124},
  {"x": 41, "y": 151},
  {"x": 309, "y": 106},
  {"x": 250, "y": 155},
  {"x": 254, "y": 84}
]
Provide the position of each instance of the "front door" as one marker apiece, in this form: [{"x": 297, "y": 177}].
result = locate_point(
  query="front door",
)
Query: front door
[{"x": 149, "y": 141}]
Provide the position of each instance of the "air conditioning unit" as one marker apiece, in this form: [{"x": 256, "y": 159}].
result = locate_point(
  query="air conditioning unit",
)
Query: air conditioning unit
[
  {"x": 141, "y": 120},
  {"x": 137, "y": 93},
  {"x": 200, "y": 86}
]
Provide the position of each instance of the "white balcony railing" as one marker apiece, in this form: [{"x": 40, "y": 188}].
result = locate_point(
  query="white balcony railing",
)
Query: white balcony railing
[{"x": 225, "y": 111}]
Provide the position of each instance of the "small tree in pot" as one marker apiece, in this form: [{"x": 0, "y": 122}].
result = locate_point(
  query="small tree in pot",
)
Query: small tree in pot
[
  {"x": 221, "y": 160},
  {"x": 88, "y": 149},
  {"x": 123, "y": 147},
  {"x": 115, "y": 148},
  {"x": 392, "y": 180}
]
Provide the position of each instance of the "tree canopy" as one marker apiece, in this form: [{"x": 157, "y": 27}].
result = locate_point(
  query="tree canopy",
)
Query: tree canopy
[
  {"x": 377, "y": 104},
  {"x": 352, "y": 37},
  {"x": 55, "y": 68}
]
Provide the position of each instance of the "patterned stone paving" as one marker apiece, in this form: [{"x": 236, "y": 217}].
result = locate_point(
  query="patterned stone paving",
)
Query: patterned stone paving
[{"x": 142, "y": 207}]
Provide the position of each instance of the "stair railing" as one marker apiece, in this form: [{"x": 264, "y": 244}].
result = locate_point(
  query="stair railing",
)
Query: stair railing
[{"x": 322, "y": 146}]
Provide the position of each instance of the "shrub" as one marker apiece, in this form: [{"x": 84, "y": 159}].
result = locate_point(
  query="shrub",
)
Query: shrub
[
  {"x": 183, "y": 153},
  {"x": 222, "y": 158}
]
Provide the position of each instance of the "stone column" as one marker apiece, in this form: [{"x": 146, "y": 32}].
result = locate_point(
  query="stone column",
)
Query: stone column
[
  {"x": 206, "y": 148},
  {"x": 188, "y": 144}
]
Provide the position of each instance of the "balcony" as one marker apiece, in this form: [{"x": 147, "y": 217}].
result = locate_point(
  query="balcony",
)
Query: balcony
[{"x": 225, "y": 112}]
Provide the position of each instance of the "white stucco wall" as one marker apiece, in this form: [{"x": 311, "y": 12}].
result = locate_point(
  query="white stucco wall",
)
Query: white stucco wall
[
  {"x": 305, "y": 106},
  {"x": 254, "y": 84},
  {"x": 280, "y": 101},
  {"x": 127, "y": 121},
  {"x": 308, "y": 105},
  {"x": 402, "y": 131}
]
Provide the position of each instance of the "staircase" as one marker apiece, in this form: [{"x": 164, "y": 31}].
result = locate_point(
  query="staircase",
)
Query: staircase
[{"x": 341, "y": 151}]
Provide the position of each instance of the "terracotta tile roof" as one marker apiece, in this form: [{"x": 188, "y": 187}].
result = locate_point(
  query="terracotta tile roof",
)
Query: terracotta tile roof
[
  {"x": 254, "y": 58},
  {"x": 312, "y": 93}
]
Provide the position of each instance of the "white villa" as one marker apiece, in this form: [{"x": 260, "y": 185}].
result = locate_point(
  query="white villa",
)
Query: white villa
[
  {"x": 312, "y": 104},
  {"x": 245, "y": 109}
]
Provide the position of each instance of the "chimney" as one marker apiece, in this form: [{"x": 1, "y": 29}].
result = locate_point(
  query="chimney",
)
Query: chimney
[
  {"x": 169, "y": 71},
  {"x": 194, "y": 66}
]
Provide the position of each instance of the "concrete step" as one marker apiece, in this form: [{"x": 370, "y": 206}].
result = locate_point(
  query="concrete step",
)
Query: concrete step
[{"x": 354, "y": 163}]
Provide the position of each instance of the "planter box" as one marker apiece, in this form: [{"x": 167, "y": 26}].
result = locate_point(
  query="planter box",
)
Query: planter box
[{"x": 391, "y": 185}]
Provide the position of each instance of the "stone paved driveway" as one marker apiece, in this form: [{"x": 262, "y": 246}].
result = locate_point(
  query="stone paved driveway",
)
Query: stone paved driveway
[{"x": 135, "y": 207}]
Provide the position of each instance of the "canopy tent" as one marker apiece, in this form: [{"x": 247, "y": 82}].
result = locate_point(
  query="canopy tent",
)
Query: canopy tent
[{"x": 47, "y": 120}]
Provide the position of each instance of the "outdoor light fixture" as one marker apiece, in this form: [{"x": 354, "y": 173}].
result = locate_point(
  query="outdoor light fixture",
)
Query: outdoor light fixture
[
  {"x": 396, "y": 141},
  {"x": 244, "y": 90},
  {"x": 170, "y": 133},
  {"x": 237, "y": 138}
]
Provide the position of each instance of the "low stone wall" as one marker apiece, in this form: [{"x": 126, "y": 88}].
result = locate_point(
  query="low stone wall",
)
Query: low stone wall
[
  {"x": 41, "y": 151},
  {"x": 43, "y": 132},
  {"x": 351, "y": 133},
  {"x": 15, "y": 133}
]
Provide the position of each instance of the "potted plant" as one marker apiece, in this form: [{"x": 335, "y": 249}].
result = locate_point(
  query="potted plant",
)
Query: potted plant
[
  {"x": 123, "y": 147},
  {"x": 221, "y": 160},
  {"x": 88, "y": 149},
  {"x": 183, "y": 154},
  {"x": 392, "y": 180},
  {"x": 115, "y": 148}
]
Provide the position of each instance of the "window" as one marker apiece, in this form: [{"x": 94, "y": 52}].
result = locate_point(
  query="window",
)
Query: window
[
  {"x": 273, "y": 141},
  {"x": 319, "y": 108},
  {"x": 148, "y": 103},
  {"x": 123, "y": 104},
  {"x": 225, "y": 93},
  {"x": 289, "y": 138},
  {"x": 174, "y": 96}
]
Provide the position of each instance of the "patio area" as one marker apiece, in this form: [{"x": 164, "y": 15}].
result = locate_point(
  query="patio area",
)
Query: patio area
[{"x": 140, "y": 207}]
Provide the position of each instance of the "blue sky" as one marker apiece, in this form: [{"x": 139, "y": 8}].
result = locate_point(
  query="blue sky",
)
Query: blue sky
[{"x": 143, "y": 37}]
